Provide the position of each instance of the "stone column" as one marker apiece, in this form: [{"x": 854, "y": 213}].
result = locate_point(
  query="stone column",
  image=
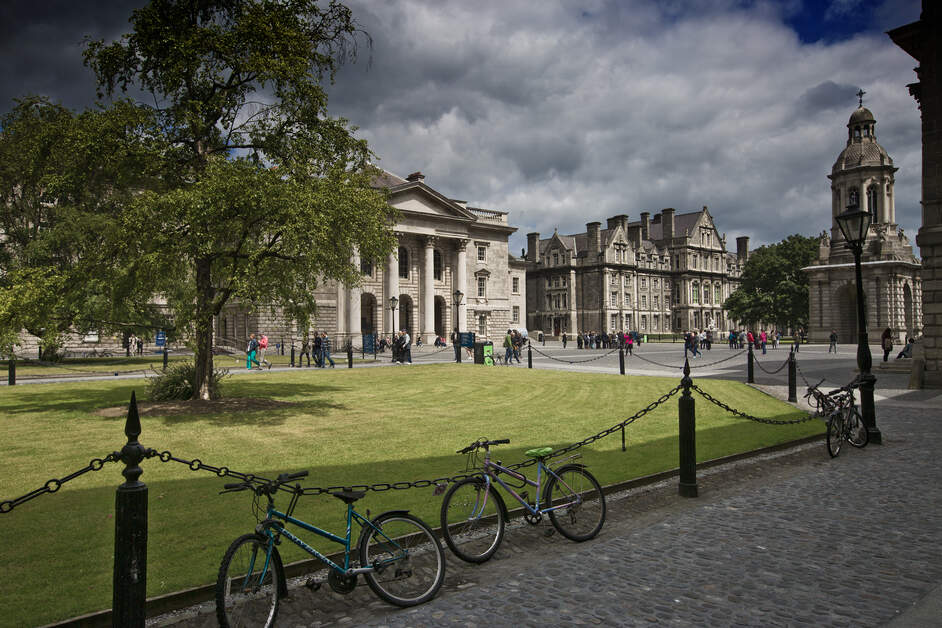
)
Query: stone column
[
  {"x": 461, "y": 283},
  {"x": 341, "y": 297},
  {"x": 391, "y": 289},
  {"x": 354, "y": 328},
  {"x": 428, "y": 292},
  {"x": 571, "y": 303}
]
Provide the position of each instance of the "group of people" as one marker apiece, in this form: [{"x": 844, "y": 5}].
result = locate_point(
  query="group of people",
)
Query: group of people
[
  {"x": 759, "y": 341},
  {"x": 402, "y": 348},
  {"x": 255, "y": 352},
  {"x": 886, "y": 343},
  {"x": 318, "y": 349},
  {"x": 513, "y": 341},
  {"x": 135, "y": 345},
  {"x": 605, "y": 340}
]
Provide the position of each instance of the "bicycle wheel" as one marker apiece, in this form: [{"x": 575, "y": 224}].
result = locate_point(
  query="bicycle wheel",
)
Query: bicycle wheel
[
  {"x": 857, "y": 434},
  {"x": 583, "y": 516},
  {"x": 246, "y": 589},
  {"x": 473, "y": 520},
  {"x": 835, "y": 433},
  {"x": 408, "y": 561}
]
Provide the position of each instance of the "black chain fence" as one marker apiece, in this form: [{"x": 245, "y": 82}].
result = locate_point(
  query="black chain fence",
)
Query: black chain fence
[
  {"x": 756, "y": 361},
  {"x": 745, "y": 415},
  {"x": 53, "y": 485},
  {"x": 675, "y": 366},
  {"x": 592, "y": 359}
]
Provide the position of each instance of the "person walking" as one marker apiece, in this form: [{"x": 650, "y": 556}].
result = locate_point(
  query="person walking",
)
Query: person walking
[
  {"x": 260, "y": 355},
  {"x": 325, "y": 350},
  {"x": 456, "y": 341},
  {"x": 250, "y": 350},
  {"x": 886, "y": 342},
  {"x": 763, "y": 339},
  {"x": 305, "y": 350},
  {"x": 630, "y": 342},
  {"x": 508, "y": 348},
  {"x": 565, "y": 339},
  {"x": 407, "y": 346},
  {"x": 832, "y": 342},
  {"x": 316, "y": 349}
]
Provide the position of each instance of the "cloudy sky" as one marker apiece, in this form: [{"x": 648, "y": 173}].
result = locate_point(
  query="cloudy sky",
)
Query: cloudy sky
[{"x": 565, "y": 112}]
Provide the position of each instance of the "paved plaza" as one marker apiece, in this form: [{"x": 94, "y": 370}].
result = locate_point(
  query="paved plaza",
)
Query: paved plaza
[{"x": 786, "y": 539}]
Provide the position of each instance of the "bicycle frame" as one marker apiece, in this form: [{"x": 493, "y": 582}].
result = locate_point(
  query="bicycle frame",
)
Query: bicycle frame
[
  {"x": 275, "y": 529},
  {"x": 492, "y": 471}
]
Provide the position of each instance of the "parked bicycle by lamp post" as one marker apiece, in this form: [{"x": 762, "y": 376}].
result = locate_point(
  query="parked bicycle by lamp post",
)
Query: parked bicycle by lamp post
[
  {"x": 474, "y": 514},
  {"x": 838, "y": 409}
]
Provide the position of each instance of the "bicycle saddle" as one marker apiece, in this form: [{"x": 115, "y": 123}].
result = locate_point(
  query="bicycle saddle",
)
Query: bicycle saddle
[
  {"x": 348, "y": 497},
  {"x": 539, "y": 452}
]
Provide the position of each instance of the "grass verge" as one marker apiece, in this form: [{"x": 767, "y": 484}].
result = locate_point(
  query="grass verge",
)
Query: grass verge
[{"x": 357, "y": 426}]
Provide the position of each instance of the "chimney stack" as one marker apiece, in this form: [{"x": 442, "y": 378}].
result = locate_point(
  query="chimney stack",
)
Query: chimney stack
[
  {"x": 594, "y": 238},
  {"x": 533, "y": 246},
  {"x": 611, "y": 223},
  {"x": 634, "y": 236},
  {"x": 742, "y": 248},
  {"x": 667, "y": 218},
  {"x": 645, "y": 225}
]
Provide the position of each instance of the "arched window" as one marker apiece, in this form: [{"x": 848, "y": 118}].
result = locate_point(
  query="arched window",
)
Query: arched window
[
  {"x": 437, "y": 265},
  {"x": 366, "y": 267},
  {"x": 852, "y": 198},
  {"x": 695, "y": 292},
  {"x": 403, "y": 262},
  {"x": 872, "y": 202}
]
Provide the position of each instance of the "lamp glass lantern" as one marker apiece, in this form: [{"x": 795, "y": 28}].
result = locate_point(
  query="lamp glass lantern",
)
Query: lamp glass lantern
[
  {"x": 459, "y": 295},
  {"x": 393, "y": 302},
  {"x": 854, "y": 223}
]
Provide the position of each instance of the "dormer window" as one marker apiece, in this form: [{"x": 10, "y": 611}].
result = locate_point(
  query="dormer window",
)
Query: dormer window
[{"x": 555, "y": 258}]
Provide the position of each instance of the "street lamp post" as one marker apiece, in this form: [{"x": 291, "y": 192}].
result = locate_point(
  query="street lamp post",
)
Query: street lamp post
[
  {"x": 855, "y": 224},
  {"x": 458, "y": 295},
  {"x": 393, "y": 302}
]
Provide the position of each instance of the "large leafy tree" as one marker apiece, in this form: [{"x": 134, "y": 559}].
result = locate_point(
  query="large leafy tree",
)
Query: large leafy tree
[
  {"x": 64, "y": 181},
  {"x": 773, "y": 287},
  {"x": 263, "y": 194}
]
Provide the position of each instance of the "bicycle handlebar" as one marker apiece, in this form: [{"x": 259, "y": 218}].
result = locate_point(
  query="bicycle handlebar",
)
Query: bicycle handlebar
[
  {"x": 483, "y": 443},
  {"x": 268, "y": 488}
]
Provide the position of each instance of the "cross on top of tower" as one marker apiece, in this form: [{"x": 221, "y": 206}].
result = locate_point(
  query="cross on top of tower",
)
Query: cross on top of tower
[{"x": 860, "y": 95}]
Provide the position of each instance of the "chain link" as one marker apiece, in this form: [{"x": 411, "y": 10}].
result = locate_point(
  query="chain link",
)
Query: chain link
[
  {"x": 719, "y": 403},
  {"x": 593, "y": 359},
  {"x": 698, "y": 366},
  {"x": 761, "y": 368},
  {"x": 55, "y": 484}
]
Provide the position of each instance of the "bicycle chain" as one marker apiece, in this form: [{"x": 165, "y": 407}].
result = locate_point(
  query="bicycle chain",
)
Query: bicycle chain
[
  {"x": 719, "y": 403},
  {"x": 55, "y": 484}
]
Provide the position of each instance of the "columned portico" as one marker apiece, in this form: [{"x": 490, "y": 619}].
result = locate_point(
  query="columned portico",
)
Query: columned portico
[{"x": 428, "y": 292}]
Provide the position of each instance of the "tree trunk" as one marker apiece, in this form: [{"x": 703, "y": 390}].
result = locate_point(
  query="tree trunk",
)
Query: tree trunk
[{"x": 204, "y": 331}]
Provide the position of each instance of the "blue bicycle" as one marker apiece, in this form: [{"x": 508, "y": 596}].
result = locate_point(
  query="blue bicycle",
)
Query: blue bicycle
[{"x": 399, "y": 556}]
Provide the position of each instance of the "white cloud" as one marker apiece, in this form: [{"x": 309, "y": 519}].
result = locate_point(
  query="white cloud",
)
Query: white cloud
[{"x": 563, "y": 116}]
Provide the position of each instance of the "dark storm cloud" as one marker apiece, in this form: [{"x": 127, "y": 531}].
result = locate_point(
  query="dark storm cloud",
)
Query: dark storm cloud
[
  {"x": 825, "y": 97},
  {"x": 41, "y": 46}
]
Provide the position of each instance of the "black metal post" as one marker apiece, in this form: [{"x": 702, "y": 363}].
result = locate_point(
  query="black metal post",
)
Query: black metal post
[
  {"x": 750, "y": 369},
  {"x": 130, "y": 532},
  {"x": 127, "y": 351},
  {"x": 165, "y": 356},
  {"x": 350, "y": 355},
  {"x": 282, "y": 346},
  {"x": 11, "y": 371},
  {"x": 623, "y": 448},
  {"x": 458, "y": 349},
  {"x": 621, "y": 360},
  {"x": 529, "y": 355},
  {"x": 792, "y": 367},
  {"x": 865, "y": 358},
  {"x": 687, "y": 437},
  {"x": 292, "y": 354}
]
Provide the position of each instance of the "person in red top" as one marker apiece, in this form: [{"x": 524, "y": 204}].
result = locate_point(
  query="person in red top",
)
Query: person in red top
[
  {"x": 750, "y": 339},
  {"x": 763, "y": 338},
  {"x": 262, "y": 345}
]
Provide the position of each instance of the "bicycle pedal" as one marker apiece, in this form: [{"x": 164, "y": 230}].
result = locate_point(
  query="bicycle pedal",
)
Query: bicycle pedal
[{"x": 312, "y": 584}]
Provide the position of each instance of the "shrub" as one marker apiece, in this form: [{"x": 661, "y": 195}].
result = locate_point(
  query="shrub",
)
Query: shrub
[{"x": 176, "y": 383}]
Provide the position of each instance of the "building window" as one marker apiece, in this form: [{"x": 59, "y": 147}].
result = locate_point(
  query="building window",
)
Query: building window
[
  {"x": 555, "y": 282},
  {"x": 555, "y": 258},
  {"x": 628, "y": 321},
  {"x": 516, "y": 285},
  {"x": 549, "y": 282},
  {"x": 614, "y": 324},
  {"x": 403, "y": 263},
  {"x": 644, "y": 282},
  {"x": 482, "y": 325},
  {"x": 366, "y": 268},
  {"x": 657, "y": 322},
  {"x": 516, "y": 315},
  {"x": 872, "y": 202},
  {"x": 614, "y": 280},
  {"x": 644, "y": 322},
  {"x": 564, "y": 301},
  {"x": 706, "y": 293},
  {"x": 695, "y": 292},
  {"x": 716, "y": 294},
  {"x": 644, "y": 301},
  {"x": 627, "y": 281},
  {"x": 562, "y": 282},
  {"x": 627, "y": 300},
  {"x": 482, "y": 253},
  {"x": 614, "y": 299},
  {"x": 556, "y": 301},
  {"x": 482, "y": 287},
  {"x": 549, "y": 302},
  {"x": 654, "y": 300},
  {"x": 654, "y": 283},
  {"x": 437, "y": 265}
]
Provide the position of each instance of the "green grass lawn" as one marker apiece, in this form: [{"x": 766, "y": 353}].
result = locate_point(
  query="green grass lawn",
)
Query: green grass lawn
[{"x": 357, "y": 426}]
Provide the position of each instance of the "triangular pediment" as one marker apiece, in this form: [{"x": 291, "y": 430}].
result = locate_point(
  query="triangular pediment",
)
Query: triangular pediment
[{"x": 415, "y": 197}]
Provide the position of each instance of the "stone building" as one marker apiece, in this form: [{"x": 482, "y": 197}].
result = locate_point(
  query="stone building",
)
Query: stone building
[
  {"x": 921, "y": 40},
  {"x": 863, "y": 176},
  {"x": 668, "y": 274},
  {"x": 444, "y": 246}
]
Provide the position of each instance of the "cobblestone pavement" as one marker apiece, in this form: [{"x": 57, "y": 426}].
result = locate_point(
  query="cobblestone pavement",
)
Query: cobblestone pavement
[{"x": 780, "y": 540}]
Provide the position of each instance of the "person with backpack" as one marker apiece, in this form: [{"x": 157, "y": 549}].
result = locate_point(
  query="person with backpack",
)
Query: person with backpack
[
  {"x": 325, "y": 350},
  {"x": 317, "y": 348},
  {"x": 250, "y": 351}
]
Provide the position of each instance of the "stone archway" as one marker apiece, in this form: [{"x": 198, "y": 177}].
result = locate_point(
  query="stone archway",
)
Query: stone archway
[
  {"x": 367, "y": 313},
  {"x": 406, "y": 317},
  {"x": 440, "y": 316}
]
